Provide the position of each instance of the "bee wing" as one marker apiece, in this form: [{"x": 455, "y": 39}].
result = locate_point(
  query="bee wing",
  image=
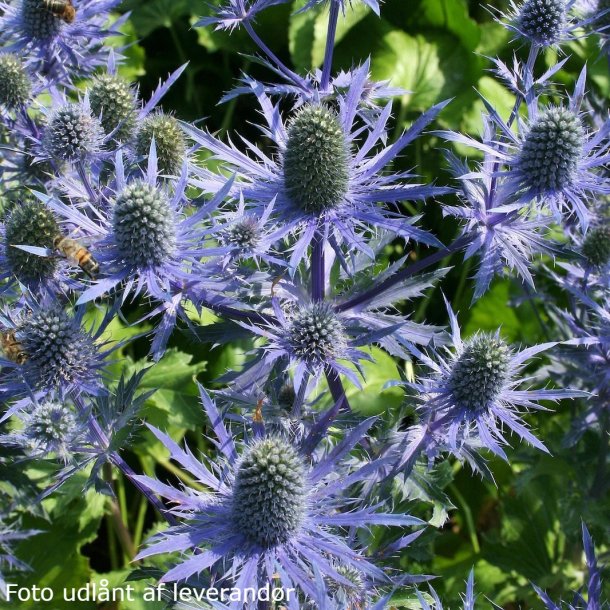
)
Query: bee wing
[{"x": 35, "y": 250}]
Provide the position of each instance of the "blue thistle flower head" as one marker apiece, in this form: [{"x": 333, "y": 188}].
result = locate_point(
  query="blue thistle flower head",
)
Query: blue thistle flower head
[
  {"x": 72, "y": 133},
  {"x": 57, "y": 354},
  {"x": 502, "y": 240},
  {"x": 316, "y": 161},
  {"x": 543, "y": 23},
  {"x": 316, "y": 335},
  {"x": 114, "y": 102},
  {"x": 310, "y": 337},
  {"x": 169, "y": 140},
  {"x": 61, "y": 47},
  {"x": 50, "y": 428},
  {"x": 245, "y": 234},
  {"x": 144, "y": 238},
  {"x": 32, "y": 223},
  {"x": 144, "y": 224},
  {"x": 269, "y": 493},
  {"x": 272, "y": 515},
  {"x": 554, "y": 160},
  {"x": 328, "y": 174},
  {"x": 15, "y": 84},
  {"x": 551, "y": 150},
  {"x": 480, "y": 372},
  {"x": 475, "y": 391}
]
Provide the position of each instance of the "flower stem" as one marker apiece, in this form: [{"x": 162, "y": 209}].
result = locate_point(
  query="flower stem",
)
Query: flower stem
[
  {"x": 118, "y": 524},
  {"x": 318, "y": 281},
  {"x": 287, "y": 72},
  {"x": 330, "y": 43}
]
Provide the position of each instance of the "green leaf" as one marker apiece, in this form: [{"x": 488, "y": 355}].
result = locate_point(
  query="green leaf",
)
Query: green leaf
[
  {"x": 431, "y": 67},
  {"x": 453, "y": 16},
  {"x": 308, "y": 30},
  {"x": 152, "y": 14},
  {"x": 496, "y": 310},
  {"x": 177, "y": 396},
  {"x": 373, "y": 399}
]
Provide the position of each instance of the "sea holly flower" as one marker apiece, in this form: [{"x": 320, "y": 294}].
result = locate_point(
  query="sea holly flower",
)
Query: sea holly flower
[
  {"x": 543, "y": 23},
  {"x": 269, "y": 514},
  {"x": 63, "y": 49},
  {"x": 248, "y": 235},
  {"x": 143, "y": 237},
  {"x": 594, "y": 599},
  {"x": 329, "y": 176},
  {"x": 72, "y": 133},
  {"x": 169, "y": 140},
  {"x": 15, "y": 84},
  {"x": 114, "y": 102},
  {"x": 475, "y": 391},
  {"x": 496, "y": 227},
  {"x": 49, "y": 428},
  {"x": 312, "y": 337},
  {"x": 32, "y": 223},
  {"x": 554, "y": 159},
  {"x": 145, "y": 242},
  {"x": 52, "y": 352}
]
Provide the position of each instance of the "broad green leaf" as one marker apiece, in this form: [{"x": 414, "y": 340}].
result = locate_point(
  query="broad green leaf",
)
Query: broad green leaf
[{"x": 431, "y": 67}]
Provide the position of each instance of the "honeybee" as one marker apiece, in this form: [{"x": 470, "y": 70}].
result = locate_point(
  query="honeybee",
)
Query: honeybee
[
  {"x": 13, "y": 350},
  {"x": 62, "y": 9},
  {"x": 77, "y": 253},
  {"x": 258, "y": 413}
]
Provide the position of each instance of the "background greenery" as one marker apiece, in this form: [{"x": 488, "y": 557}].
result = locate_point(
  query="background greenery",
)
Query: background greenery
[{"x": 523, "y": 527}]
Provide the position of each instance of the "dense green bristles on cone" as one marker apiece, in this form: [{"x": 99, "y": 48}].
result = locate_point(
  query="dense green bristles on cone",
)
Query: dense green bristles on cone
[
  {"x": 169, "y": 142},
  {"x": 316, "y": 160},
  {"x": 113, "y": 100},
  {"x": 316, "y": 335},
  {"x": 144, "y": 225},
  {"x": 269, "y": 495},
  {"x": 542, "y": 21},
  {"x": 552, "y": 149},
  {"x": 38, "y": 21},
  {"x": 30, "y": 223},
  {"x": 15, "y": 86},
  {"x": 596, "y": 247},
  {"x": 479, "y": 373}
]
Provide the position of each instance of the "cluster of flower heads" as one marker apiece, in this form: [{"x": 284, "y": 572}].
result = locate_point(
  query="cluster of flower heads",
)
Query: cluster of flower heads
[{"x": 106, "y": 204}]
